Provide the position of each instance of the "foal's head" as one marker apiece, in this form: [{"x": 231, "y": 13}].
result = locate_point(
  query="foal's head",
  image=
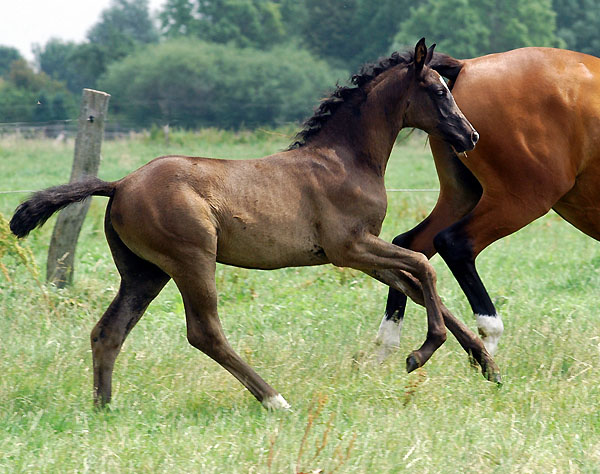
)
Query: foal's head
[{"x": 430, "y": 105}]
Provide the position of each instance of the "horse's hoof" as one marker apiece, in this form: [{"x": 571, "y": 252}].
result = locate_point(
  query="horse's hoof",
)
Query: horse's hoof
[{"x": 412, "y": 362}]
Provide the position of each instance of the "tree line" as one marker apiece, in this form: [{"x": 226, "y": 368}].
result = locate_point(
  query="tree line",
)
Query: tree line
[{"x": 245, "y": 63}]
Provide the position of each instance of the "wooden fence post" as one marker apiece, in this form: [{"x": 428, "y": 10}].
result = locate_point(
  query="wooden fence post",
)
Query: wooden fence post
[{"x": 90, "y": 131}]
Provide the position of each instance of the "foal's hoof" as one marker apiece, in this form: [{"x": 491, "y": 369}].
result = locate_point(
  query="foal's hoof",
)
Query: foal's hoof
[
  {"x": 413, "y": 362},
  {"x": 491, "y": 372},
  {"x": 494, "y": 376},
  {"x": 276, "y": 402}
]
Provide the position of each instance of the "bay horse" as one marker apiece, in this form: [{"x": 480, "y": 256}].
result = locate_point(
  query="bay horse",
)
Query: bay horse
[
  {"x": 550, "y": 96},
  {"x": 321, "y": 201}
]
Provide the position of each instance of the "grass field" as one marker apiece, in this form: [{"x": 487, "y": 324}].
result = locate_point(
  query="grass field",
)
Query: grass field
[{"x": 174, "y": 410}]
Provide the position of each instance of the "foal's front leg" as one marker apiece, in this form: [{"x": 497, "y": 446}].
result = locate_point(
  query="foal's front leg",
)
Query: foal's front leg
[
  {"x": 371, "y": 254},
  {"x": 400, "y": 281}
]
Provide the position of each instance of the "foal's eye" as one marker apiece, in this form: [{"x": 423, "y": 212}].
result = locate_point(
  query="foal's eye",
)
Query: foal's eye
[{"x": 440, "y": 93}]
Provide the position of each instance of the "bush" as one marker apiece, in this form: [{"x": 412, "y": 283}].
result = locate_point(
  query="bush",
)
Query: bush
[{"x": 190, "y": 84}]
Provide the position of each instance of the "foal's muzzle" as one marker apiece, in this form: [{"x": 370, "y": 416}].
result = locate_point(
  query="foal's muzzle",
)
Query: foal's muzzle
[{"x": 463, "y": 137}]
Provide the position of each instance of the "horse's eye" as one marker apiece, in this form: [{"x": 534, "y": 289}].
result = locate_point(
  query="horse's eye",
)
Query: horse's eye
[{"x": 440, "y": 93}]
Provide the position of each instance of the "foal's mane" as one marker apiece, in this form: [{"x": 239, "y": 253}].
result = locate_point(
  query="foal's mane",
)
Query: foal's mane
[{"x": 343, "y": 94}]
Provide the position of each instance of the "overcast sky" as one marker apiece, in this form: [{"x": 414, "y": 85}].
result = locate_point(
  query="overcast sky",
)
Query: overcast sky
[{"x": 26, "y": 22}]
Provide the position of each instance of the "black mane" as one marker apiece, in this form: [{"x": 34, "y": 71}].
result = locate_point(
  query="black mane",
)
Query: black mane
[{"x": 342, "y": 94}]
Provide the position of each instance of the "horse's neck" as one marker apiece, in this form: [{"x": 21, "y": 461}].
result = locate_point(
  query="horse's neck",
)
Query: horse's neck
[{"x": 367, "y": 132}]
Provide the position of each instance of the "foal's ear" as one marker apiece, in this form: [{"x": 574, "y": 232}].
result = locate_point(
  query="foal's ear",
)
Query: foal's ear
[
  {"x": 420, "y": 55},
  {"x": 429, "y": 54}
]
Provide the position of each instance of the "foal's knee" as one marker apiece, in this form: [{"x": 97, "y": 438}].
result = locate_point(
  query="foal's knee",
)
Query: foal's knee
[{"x": 423, "y": 268}]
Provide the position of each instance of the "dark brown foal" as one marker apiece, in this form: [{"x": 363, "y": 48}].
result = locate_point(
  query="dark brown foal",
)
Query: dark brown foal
[{"x": 321, "y": 201}]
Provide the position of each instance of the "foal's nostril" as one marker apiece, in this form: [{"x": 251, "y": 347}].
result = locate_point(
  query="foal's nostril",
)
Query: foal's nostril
[{"x": 475, "y": 136}]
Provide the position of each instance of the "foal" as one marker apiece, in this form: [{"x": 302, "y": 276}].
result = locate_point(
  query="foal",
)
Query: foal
[{"x": 321, "y": 201}]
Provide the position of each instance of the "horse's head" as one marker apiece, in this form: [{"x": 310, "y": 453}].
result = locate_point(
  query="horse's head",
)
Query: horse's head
[{"x": 430, "y": 105}]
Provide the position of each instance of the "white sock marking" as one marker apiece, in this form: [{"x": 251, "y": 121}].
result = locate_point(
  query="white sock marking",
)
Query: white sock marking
[
  {"x": 388, "y": 337},
  {"x": 276, "y": 402},
  {"x": 490, "y": 328}
]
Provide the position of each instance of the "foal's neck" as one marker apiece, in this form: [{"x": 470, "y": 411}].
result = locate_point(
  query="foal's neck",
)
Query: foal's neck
[{"x": 365, "y": 132}]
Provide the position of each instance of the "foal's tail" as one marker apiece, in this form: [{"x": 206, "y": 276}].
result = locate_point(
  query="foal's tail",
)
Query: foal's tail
[
  {"x": 42, "y": 204},
  {"x": 447, "y": 66}
]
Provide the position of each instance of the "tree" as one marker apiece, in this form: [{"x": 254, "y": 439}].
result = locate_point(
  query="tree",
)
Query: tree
[
  {"x": 79, "y": 65},
  {"x": 246, "y": 23},
  {"x": 578, "y": 23},
  {"x": 469, "y": 28},
  {"x": 189, "y": 83},
  {"x": 28, "y": 96},
  {"x": 179, "y": 18},
  {"x": 122, "y": 27},
  {"x": 329, "y": 30},
  {"x": 8, "y": 55},
  {"x": 351, "y": 32},
  {"x": 514, "y": 23},
  {"x": 123, "y": 24}
]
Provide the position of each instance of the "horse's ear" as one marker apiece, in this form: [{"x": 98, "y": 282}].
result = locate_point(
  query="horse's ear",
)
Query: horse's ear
[
  {"x": 420, "y": 55},
  {"x": 429, "y": 54}
]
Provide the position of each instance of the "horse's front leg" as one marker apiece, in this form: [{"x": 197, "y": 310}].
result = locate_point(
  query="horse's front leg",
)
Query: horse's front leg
[{"x": 371, "y": 254}]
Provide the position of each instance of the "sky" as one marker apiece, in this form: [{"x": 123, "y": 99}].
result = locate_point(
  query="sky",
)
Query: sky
[{"x": 26, "y": 22}]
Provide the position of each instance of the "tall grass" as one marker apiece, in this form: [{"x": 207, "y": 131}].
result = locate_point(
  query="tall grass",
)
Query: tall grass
[{"x": 175, "y": 410}]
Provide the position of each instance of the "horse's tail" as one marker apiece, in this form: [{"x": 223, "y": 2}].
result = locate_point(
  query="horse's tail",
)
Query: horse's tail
[
  {"x": 42, "y": 204},
  {"x": 447, "y": 66}
]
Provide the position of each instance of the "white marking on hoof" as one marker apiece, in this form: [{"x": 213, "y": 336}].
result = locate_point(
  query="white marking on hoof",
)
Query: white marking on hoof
[
  {"x": 388, "y": 337},
  {"x": 276, "y": 402},
  {"x": 490, "y": 329}
]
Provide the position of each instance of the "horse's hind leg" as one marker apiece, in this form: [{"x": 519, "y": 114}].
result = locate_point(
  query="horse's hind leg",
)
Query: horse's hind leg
[
  {"x": 141, "y": 281},
  {"x": 195, "y": 278},
  {"x": 459, "y": 193}
]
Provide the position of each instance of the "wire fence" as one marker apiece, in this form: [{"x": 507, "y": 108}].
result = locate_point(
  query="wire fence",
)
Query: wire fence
[
  {"x": 62, "y": 129},
  {"x": 67, "y": 129}
]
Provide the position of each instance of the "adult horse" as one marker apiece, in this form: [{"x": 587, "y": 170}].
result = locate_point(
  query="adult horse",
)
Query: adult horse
[
  {"x": 321, "y": 201},
  {"x": 538, "y": 113}
]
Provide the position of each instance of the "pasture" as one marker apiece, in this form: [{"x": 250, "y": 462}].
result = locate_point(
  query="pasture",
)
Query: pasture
[{"x": 309, "y": 332}]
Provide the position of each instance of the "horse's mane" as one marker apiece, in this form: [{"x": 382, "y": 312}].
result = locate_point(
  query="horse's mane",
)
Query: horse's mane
[{"x": 342, "y": 94}]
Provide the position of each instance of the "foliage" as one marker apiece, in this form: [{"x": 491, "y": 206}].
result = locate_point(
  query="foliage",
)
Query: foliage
[
  {"x": 578, "y": 23},
  {"x": 8, "y": 55},
  {"x": 122, "y": 27},
  {"x": 469, "y": 28},
  {"x": 245, "y": 23},
  {"x": 11, "y": 247},
  {"x": 123, "y": 24},
  {"x": 189, "y": 83},
  {"x": 351, "y": 32},
  {"x": 29, "y": 96}
]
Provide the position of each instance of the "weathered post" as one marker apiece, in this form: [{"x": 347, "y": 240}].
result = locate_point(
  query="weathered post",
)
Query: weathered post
[{"x": 90, "y": 131}]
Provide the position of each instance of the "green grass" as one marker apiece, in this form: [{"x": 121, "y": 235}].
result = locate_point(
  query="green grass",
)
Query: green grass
[{"x": 174, "y": 410}]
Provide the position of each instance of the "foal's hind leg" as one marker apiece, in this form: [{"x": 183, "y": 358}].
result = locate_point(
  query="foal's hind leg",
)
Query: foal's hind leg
[
  {"x": 141, "y": 281},
  {"x": 196, "y": 281}
]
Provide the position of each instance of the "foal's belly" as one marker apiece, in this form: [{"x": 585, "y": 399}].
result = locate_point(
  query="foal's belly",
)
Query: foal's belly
[{"x": 268, "y": 251}]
